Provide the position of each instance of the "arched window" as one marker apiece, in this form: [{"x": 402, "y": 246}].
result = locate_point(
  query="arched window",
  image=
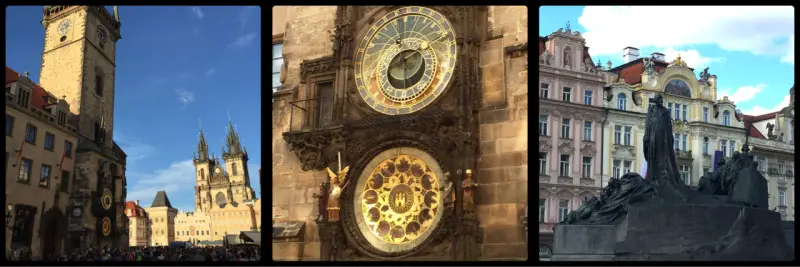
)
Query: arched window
[
  {"x": 678, "y": 87},
  {"x": 220, "y": 199},
  {"x": 235, "y": 171},
  {"x": 568, "y": 57},
  {"x": 726, "y": 118},
  {"x": 202, "y": 174},
  {"x": 98, "y": 81},
  {"x": 623, "y": 101}
]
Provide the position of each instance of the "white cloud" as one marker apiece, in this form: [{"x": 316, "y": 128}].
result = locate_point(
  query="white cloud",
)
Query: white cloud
[
  {"x": 184, "y": 97},
  {"x": 692, "y": 58},
  {"x": 245, "y": 16},
  {"x": 758, "y": 110},
  {"x": 210, "y": 71},
  {"x": 177, "y": 180},
  {"x": 734, "y": 28},
  {"x": 197, "y": 12},
  {"x": 133, "y": 147},
  {"x": 743, "y": 94},
  {"x": 244, "y": 40}
]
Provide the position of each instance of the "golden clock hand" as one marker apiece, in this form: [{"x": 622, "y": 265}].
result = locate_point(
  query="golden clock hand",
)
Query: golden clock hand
[{"x": 398, "y": 60}]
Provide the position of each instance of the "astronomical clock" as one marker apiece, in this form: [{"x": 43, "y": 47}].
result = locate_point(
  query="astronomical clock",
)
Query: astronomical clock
[{"x": 403, "y": 132}]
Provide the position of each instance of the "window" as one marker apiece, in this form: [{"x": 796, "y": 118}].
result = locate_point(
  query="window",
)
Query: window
[
  {"x": 98, "y": 132},
  {"x": 677, "y": 141},
  {"x": 705, "y": 170},
  {"x": 544, "y": 90},
  {"x": 705, "y": 114},
  {"x": 726, "y": 118},
  {"x": 566, "y": 95},
  {"x": 543, "y": 125},
  {"x": 628, "y": 130},
  {"x": 782, "y": 197},
  {"x": 683, "y": 142},
  {"x": 587, "y": 97},
  {"x": 761, "y": 164},
  {"x": 587, "y": 131},
  {"x": 563, "y": 209},
  {"x": 24, "y": 98},
  {"x": 9, "y": 124},
  {"x": 68, "y": 149},
  {"x": 25, "y": 171},
  {"x": 564, "y": 168},
  {"x": 617, "y": 169},
  {"x": 233, "y": 169},
  {"x": 733, "y": 147},
  {"x": 44, "y": 179},
  {"x": 705, "y": 145},
  {"x": 677, "y": 112},
  {"x": 684, "y": 111},
  {"x": 49, "y": 141},
  {"x": 723, "y": 145},
  {"x": 565, "y": 128},
  {"x": 587, "y": 167},
  {"x": 325, "y": 110},
  {"x": 65, "y": 181},
  {"x": 780, "y": 168},
  {"x": 684, "y": 171},
  {"x": 30, "y": 134},
  {"x": 98, "y": 84},
  {"x": 669, "y": 108},
  {"x": 622, "y": 101},
  {"x": 542, "y": 163},
  {"x": 617, "y": 134},
  {"x": 627, "y": 167},
  {"x": 277, "y": 61}
]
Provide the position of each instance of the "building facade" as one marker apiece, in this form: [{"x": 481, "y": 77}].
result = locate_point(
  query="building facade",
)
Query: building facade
[
  {"x": 464, "y": 126},
  {"x": 139, "y": 224},
  {"x": 772, "y": 142},
  {"x": 40, "y": 163},
  {"x": 162, "y": 220},
  {"x": 570, "y": 129},
  {"x": 701, "y": 123},
  {"x": 78, "y": 65},
  {"x": 193, "y": 227}
]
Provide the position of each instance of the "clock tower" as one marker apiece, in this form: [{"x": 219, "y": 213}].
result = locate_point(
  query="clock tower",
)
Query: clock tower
[{"x": 78, "y": 64}]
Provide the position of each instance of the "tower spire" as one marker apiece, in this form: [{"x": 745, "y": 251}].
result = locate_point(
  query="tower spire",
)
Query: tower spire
[{"x": 202, "y": 145}]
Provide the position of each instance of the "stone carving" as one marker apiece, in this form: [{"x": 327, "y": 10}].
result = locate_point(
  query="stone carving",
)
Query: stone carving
[
  {"x": 736, "y": 183},
  {"x": 704, "y": 76},
  {"x": 318, "y": 65},
  {"x": 322, "y": 201},
  {"x": 546, "y": 58},
  {"x": 770, "y": 129},
  {"x": 545, "y": 145},
  {"x": 565, "y": 146},
  {"x": 588, "y": 149},
  {"x": 337, "y": 184},
  {"x": 649, "y": 65}
]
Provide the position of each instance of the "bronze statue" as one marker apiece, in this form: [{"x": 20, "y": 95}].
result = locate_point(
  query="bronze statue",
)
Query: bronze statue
[{"x": 322, "y": 201}]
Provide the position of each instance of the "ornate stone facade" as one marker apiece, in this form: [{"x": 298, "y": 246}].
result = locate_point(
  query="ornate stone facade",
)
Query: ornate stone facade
[
  {"x": 570, "y": 117},
  {"x": 479, "y": 124}
]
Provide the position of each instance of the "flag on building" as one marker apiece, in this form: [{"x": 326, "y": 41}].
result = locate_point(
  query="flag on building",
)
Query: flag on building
[
  {"x": 61, "y": 164},
  {"x": 643, "y": 172},
  {"x": 717, "y": 156},
  {"x": 19, "y": 151}
]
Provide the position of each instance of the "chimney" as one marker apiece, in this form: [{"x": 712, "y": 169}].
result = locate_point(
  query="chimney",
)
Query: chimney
[
  {"x": 26, "y": 74},
  {"x": 137, "y": 202},
  {"x": 658, "y": 56},
  {"x": 630, "y": 54}
]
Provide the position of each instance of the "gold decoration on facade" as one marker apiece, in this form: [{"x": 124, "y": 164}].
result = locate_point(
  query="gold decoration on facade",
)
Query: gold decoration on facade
[
  {"x": 106, "y": 200},
  {"x": 678, "y": 62},
  {"x": 106, "y": 224},
  {"x": 400, "y": 199},
  {"x": 337, "y": 185},
  {"x": 405, "y": 60}
]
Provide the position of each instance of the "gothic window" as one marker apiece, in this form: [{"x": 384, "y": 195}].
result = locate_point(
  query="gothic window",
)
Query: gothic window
[
  {"x": 678, "y": 87},
  {"x": 325, "y": 104},
  {"x": 98, "y": 133},
  {"x": 234, "y": 170},
  {"x": 568, "y": 57},
  {"x": 98, "y": 84},
  {"x": 202, "y": 174}
]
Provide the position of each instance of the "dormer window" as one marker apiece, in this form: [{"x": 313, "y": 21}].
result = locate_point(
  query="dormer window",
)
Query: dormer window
[
  {"x": 24, "y": 96},
  {"x": 568, "y": 57}
]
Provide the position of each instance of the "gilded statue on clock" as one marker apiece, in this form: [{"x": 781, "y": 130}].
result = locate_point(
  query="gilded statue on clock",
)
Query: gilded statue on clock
[{"x": 405, "y": 60}]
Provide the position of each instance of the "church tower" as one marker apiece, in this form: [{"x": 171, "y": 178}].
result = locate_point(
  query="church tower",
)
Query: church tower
[
  {"x": 235, "y": 156},
  {"x": 78, "y": 63},
  {"x": 203, "y": 165}
]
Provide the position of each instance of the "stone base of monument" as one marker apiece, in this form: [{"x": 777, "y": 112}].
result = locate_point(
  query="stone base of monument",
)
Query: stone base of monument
[{"x": 678, "y": 233}]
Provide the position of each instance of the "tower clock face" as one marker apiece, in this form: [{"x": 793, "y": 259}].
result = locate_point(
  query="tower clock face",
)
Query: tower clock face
[
  {"x": 106, "y": 199},
  {"x": 101, "y": 34},
  {"x": 63, "y": 28},
  {"x": 405, "y": 60},
  {"x": 398, "y": 199}
]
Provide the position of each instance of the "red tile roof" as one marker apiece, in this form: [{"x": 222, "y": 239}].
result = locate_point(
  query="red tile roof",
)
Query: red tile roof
[
  {"x": 40, "y": 96},
  {"x": 749, "y": 119},
  {"x": 136, "y": 210},
  {"x": 542, "y": 41},
  {"x": 632, "y": 71}
]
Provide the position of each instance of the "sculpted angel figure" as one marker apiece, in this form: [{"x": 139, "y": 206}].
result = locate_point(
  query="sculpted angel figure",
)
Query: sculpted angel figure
[{"x": 336, "y": 187}]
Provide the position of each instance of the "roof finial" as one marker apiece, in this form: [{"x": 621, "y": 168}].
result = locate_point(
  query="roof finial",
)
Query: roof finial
[
  {"x": 568, "y": 26},
  {"x": 116, "y": 13},
  {"x": 229, "y": 116}
]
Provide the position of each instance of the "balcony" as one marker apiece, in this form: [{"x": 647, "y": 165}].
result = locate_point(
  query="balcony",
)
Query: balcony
[
  {"x": 683, "y": 154},
  {"x": 565, "y": 180},
  {"x": 758, "y": 142}
]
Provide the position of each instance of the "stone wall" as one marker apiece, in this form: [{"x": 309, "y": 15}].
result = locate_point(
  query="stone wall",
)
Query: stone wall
[
  {"x": 306, "y": 37},
  {"x": 503, "y": 164}
]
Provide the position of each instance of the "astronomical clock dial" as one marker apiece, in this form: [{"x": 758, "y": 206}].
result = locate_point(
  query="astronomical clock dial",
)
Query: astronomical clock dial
[
  {"x": 218, "y": 170},
  {"x": 405, "y": 60},
  {"x": 106, "y": 199},
  {"x": 64, "y": 27},
  {"x": 106, "y": 226},
  {"x": 102, "y": 35},
  {"x": 398, "y": 199}
]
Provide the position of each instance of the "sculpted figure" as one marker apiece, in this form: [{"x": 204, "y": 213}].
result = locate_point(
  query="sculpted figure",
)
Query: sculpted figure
[
  {"x": 659, "y": 153},
  {"x": 335, "y": 191}
]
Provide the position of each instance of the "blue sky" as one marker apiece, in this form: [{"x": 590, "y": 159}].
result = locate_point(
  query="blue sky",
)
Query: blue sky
[
  {"x": 750, "y": 49},
  {"x": 176, "y": 66}
]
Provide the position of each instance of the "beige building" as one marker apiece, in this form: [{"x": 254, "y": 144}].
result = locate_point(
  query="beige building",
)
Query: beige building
[
  {"x": 41, "y": 138},
  {"x": 334, "y": 103},
  {"x": 139, "y": 226},
  {"x": 78, "y": 66},
  {"x": 193, "y": 227},
  {"x": 162, "y": 220}
]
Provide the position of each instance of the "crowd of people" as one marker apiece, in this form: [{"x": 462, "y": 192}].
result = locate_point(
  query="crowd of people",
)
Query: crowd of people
[{"x": 219, "y": 253}]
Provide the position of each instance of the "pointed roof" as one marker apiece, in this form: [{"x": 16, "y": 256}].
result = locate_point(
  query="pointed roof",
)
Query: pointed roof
[{"x": 161, "y": 200}]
